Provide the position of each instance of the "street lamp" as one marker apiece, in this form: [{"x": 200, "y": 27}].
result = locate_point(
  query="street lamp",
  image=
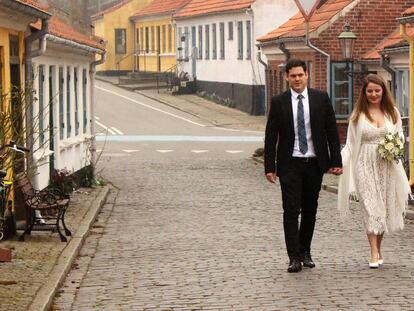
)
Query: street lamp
[{"x": 347, "y": 41}]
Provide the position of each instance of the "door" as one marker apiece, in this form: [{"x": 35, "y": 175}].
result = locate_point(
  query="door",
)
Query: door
[{"x": 194, "y": 53}]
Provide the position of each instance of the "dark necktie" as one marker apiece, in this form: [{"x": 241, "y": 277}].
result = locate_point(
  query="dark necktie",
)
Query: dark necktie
[{"x": 303, "y": 143}]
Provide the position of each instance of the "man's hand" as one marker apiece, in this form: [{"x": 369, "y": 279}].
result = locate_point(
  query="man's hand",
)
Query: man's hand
[
  {"x": 271, "y": 177},
  {"x": 335, "y": 170}
]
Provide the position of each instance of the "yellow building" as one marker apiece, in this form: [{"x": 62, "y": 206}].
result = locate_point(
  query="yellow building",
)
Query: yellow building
[
  {"x": 114, "y": 26},
  {"x": 156, "y": 35}
]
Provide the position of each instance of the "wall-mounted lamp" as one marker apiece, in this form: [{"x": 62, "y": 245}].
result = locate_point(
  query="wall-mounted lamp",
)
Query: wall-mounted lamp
[{"x": 347, "y": 42}]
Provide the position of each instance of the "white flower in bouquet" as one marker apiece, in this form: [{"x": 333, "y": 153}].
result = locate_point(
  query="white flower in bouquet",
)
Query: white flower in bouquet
[{"x": 391, "y": 147}]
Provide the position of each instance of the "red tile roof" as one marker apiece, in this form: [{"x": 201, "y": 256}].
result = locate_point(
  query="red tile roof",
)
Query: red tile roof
[
  {"x": 34, "y": 4},
  {"x": 295, "y": 26},
  {"x": 110, "y": 9},
  {"x": 159, "y": 7},
  {"x": 393, "y": 40},
  {"x": 60, "y": 29},
  {"x": 202, "y": 7}
]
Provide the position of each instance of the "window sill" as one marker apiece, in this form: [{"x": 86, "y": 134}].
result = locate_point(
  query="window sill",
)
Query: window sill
[{"x": 42, "y": 155}]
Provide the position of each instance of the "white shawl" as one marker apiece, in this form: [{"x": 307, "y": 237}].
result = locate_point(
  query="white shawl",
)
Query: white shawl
[{"x": 346, "y": 186}]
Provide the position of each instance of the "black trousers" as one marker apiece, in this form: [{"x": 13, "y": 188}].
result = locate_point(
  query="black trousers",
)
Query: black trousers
[{"x": 300, "y": 192}]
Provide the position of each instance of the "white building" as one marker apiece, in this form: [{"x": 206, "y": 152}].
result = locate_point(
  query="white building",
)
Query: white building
[
  {"x": 217, "y": 48},
  {"x": 63, "y": 112}
]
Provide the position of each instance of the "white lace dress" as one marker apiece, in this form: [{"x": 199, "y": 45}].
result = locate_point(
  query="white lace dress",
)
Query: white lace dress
[{"x": 375, "y": 185}]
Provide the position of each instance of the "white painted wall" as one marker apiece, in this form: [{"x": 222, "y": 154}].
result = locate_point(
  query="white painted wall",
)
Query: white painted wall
[
  {"x": 264, "y": 16},
  {"x": 71, "y": 151}
]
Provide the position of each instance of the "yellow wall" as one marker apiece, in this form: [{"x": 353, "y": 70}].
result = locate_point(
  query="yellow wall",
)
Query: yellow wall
[
  {"x": 119, "y": 19},
  {"x": 148, "y": 59}
]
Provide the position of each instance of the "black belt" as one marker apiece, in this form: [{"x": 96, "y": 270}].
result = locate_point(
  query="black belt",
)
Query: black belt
[{"x": 305, "y": 160}]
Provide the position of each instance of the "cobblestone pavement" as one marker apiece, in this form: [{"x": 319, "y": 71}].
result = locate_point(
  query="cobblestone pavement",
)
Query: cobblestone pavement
[
  {"x": 34, "y": 259},
  {"x": 206, "y": 234}
]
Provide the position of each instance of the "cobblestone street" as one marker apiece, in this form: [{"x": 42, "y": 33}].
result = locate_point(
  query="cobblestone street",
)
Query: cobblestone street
[{"x": 206, "y": 234}]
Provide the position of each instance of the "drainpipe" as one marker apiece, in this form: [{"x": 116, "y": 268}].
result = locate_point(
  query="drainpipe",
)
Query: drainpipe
[
  {"x": 410, "y": 40},
  {"x": 29, "y": 55},
  {"x": 384, "y": 63},
  {"x": 92, "y": 72},
  {"x": 260, "y": 60},
  {"x": 285, "y": 51},
  {"x": 328, "y": 57}
]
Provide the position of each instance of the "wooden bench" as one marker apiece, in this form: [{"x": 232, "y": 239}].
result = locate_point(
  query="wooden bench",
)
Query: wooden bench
[{"x": 51, "y": 205}]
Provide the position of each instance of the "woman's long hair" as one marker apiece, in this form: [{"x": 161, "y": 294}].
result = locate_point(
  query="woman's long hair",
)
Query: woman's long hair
[{"x": 387, "y": 102}]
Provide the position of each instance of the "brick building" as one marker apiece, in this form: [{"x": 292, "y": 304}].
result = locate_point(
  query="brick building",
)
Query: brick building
[{"x": 371, "y": 21}]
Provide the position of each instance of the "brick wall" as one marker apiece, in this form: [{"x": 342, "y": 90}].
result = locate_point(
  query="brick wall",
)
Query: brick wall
[{"x": 371, "y": 21}]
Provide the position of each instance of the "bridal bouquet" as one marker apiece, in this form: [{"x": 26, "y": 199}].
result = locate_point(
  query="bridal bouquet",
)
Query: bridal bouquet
[{"x": 391, "y": 147}]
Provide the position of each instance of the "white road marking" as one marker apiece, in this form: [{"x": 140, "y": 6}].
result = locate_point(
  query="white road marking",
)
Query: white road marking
[
  {"x": 97, "y": 118},
  {"x": 98, "y": 150},
  {"x": 150, "y": 107},
  {"x": 234, "y": 151},
  {"x": 116, "y": 130},
  {"x": 199, "y": 151},
  {"x": 105, "y": 128},
  {"x": 130, "y": 151},
  {"x": 117, "y": 155},
  {"x": 165, "y": 151}
]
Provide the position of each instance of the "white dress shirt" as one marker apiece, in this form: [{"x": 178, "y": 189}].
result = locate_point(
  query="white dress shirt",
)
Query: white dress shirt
[{"x": 311, "y": 150}]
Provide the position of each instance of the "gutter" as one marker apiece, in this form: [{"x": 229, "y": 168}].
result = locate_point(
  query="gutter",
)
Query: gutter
[
  {"x": 328, "y": 58},
  {"x": 384, "y": 63},
  {"x": 92, "y": 100},
  {"x": 73, "y": 44}
]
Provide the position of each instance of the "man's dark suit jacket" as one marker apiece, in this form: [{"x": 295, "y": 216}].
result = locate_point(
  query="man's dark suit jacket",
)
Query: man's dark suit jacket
[{"x": 280, "y": 132}]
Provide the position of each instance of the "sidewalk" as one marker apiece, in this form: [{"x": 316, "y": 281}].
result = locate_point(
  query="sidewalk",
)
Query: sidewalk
[{"x": 41, "y": 262}]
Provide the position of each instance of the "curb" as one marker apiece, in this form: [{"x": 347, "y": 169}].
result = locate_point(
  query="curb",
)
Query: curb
[{"x": 45, "y": 295}]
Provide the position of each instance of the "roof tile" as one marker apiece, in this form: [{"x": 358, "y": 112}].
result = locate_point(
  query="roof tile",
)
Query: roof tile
[
  {"x": 60, "y": 29},
  {"x": 202, "y": 7},
  {"x": 158, "y": 7},
  {"x": 34, "y": 4},
  {"x": 393, "y": 40},
  {"x": 294, "y": 27}
]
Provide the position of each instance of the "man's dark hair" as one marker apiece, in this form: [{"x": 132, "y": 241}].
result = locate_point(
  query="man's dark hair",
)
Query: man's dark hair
[{"x": 295, "y": 63}]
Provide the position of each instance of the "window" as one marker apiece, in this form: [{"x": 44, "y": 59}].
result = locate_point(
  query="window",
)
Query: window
[
  {"x": 240, "y": 40},
  {"x": 163, "y": 39},
  {"x": 341, "y": 90},
  {"x": 75, "y": 77},
  {"x": 141, "y": 44},
  {"x": 403, "y": 91},
  {"x": 187, "y": 43},
  {"x": 84, "y": 100},
  {"x": 200, "y": 42},
  {"x": 248, "y": 41},
  {"x": 137, "y": 38},
  {"x": 214, "y": 39},
  {"x": 152, "y": 39},
  {"x": 207, "y": 30},
  {"x": 41, "y": 104},
  {"x": 68, "y": 103},
  {"x": 61, "y": 103},
  {"x": 222, "y": 41},
  {"x": 120, "y": 41},
  {"x": 230, "y": 30},
  {"x": 146, "y": 39},
  {"x": 170, "y": 47},
  {"x": 180, "y": 47}
]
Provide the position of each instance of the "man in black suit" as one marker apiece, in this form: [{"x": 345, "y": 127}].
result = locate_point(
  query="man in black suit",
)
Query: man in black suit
[{"x": 302, "y": 127}]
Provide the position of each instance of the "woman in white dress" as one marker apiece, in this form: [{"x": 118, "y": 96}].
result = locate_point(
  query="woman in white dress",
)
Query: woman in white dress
[{"x": 380, "y": 185}]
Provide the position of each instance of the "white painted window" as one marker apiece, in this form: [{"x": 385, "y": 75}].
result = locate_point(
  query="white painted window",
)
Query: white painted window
[
  {"x": 222, "y": 42},
  {"x": 61, "y": 102},
  {"x": 187, "y": 42},
  {"x": 240, "y": 40},
  {"x": 41, "y": 105},
  {"x": 207, "y": 30},
  {"x": 85, "y": 99},
  {"x": 214, "y": 40},
  {"x": 230, "y": 30},
  {"x": 180, "y": 43},
  {"x": 200, "y": 42},
  {"x": 341, "y": 89},
  {"x": 68, "y": 101},
  {"x": 120, "y": 41},
  {"x": 76, "y": 89},
  {"x": 248, "y": 40},
  {"x": 402, "y": 94}
]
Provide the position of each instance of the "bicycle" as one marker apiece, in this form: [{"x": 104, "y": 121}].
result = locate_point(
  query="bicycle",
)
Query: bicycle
[{"x": 6, "y": 214}]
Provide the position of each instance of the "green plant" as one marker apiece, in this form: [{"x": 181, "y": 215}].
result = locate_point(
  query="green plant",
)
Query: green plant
[{"x": 63, "y": 181}]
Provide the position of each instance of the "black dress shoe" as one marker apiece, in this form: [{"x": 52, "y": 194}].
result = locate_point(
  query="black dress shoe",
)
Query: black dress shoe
[
  {"x": 294, "y": 266},
  {"x": 307, "y": 260}
]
